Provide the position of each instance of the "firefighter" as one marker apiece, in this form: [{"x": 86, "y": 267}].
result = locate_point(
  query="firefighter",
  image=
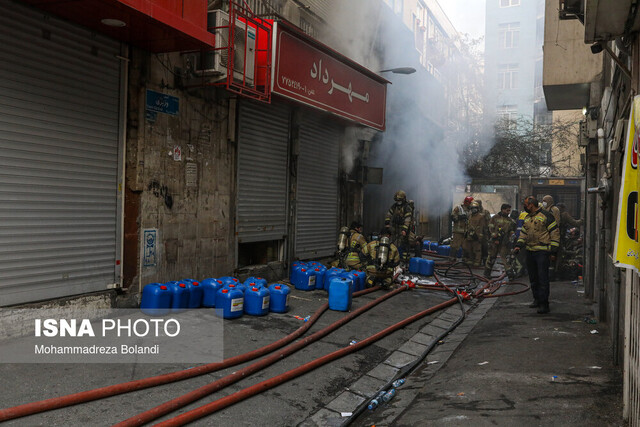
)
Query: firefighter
[
  {"x": 355, "y": 258},
  {"x": 472, "y": 249},
  {"x": 501, "y": 228},
  {"x": 399, "y": 221},
  {"x": 382, "y": 258},
  {"x": 459, "y": 216},
  {"x": 541, "y": 238}
]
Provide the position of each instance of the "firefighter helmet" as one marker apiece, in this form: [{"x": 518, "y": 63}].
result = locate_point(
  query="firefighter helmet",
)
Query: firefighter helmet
[
  {"x": 468, "y": 200},
  {"x": 475, "y": 205},
  {"x": 400, "y": 196}
]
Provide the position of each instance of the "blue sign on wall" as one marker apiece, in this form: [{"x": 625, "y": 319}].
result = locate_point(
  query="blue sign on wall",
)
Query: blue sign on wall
[
  {"x": 150, "y": 251},
  {"x": 162, "y": 103}
]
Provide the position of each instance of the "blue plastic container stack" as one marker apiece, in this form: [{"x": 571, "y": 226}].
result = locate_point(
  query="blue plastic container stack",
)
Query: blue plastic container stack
[
  {"x": 340, "y": 294},
  {"x": 209, "y": 289},
  {"x": 156, "y": 299},
  {"x": 279, "y": 298},
  {"x": 229, "y": 303},
  {"x": 256, "y": 301}
]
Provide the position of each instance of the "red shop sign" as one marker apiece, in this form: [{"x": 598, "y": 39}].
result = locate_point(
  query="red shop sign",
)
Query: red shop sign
[{"x": 314, "y": 77}]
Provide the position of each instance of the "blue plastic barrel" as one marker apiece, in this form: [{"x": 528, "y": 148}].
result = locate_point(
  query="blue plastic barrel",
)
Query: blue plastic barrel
[
  {"x": 306, "y": 279},
  {"x": 426, "y": 244},
  {"x": 330, "y": 274},
  {"x": 256, "y": 301},
  {"x": 433, "y": 247},
  {"x": 320, "y": 271},
  {"x": 209, "y": 289},
  {"x": 295, "y": 269},
  {"x": 426, "y": 267},
  {"x": 237, "y": 286},
  {"x": 229, "y": 303},
  {"x": 362, "y": 280},
  {"x": 156, "y": 299},
  {"x": 414, "y": 265},
  {"x": 445, "y": 250},
  {"x": 195, "y": 292},
  {"x": 279, "y": 298},
  {"x": 255, "y": 281},
  {"x": 179, "y": 296},
  {"x": 340, "y": 291}
]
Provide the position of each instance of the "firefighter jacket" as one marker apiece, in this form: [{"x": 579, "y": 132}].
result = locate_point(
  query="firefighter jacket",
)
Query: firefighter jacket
[
  {"x": 357, "y": 243},
  {"x": 371, "y": 251},
  {"x": 539, "y": 232},
  {"x": 566, "y": 221},
  {"x": 476, "y": 225},
  {"x": 459, "y": 216},
  {"x": 501, "y": 228},
  {"x": 400, "y": 217}
]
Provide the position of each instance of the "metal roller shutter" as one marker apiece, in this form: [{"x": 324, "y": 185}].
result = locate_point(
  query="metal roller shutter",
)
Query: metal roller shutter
[
  {"x": 317, "y": 207},
  {"x": 263, "y": 141},
  {"x": 59, "y": 124}
]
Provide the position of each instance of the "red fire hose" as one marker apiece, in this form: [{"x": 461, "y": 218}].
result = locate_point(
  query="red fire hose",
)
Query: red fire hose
[
  {"x": 279, "y": 379},
  {"x": 240, "y": 374},
  {"x": 126, "y": 387}
]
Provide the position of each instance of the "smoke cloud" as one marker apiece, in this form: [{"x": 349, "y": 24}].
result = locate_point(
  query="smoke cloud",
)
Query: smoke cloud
[{"x": 412, "y": 150}]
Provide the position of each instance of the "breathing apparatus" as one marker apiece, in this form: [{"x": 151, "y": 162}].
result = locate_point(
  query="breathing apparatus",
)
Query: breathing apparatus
[
  {"x": 383, "y": 251},
  {"x": 343, "y": 239}
]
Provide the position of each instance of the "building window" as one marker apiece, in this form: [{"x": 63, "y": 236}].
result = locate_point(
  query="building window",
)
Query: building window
[
  {"x": 508, "y": 113},
  {"x": 508, "y": 76},
  {"x": 509, "y": 3},
  {"x": 509, "y": 35},
  {"x": 397, "y": 7}
]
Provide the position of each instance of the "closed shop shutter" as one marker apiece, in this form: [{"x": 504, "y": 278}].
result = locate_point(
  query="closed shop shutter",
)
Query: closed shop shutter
[
  {"x": 59, "y": 134},
  {"x": 317, "y": 201},
  {"x": 263, "y": 141}
]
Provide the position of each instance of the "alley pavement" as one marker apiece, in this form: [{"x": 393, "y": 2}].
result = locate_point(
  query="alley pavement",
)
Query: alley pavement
[{"x": 515, "y": 367}]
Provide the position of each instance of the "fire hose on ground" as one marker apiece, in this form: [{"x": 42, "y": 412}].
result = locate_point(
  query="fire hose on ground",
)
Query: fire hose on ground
[{"x": 129, "y": 386}]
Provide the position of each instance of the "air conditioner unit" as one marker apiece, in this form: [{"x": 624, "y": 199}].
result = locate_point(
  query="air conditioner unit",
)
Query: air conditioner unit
[{"x": 214, "y": 63}]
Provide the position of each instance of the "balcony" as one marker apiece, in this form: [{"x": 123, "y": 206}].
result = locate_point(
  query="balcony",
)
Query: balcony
[{"x": 609, "y": 19}]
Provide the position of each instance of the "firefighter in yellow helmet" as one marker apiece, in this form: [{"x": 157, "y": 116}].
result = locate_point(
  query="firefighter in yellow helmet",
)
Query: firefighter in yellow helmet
[
  {"x": 472, "y": 247},
  {"x": 355, "y": 259},
  {"x": 382, "y": 258},
  {"x": 399, "y": 221}
]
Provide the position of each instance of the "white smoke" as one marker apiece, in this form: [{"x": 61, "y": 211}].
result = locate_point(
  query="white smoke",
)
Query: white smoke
[{"x": 412, "y": 150}]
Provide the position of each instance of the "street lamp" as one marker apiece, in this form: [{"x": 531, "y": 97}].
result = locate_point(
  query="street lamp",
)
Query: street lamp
[{"x": 400, "y": 70}]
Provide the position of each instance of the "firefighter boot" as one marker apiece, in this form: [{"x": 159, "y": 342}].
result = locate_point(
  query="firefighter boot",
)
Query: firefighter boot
[
  {"x": 543, "y": 308},
  {"x": 487, "y": 273}
]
